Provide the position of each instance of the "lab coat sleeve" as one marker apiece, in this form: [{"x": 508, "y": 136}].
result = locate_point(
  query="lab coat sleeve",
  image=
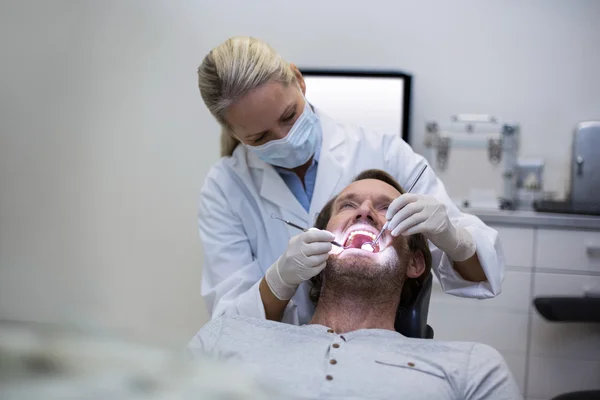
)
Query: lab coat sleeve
[
  {"x": 231, "y": 276},
  {"x": 488, "y": 377},
  {"x": 406, "y": 164}
]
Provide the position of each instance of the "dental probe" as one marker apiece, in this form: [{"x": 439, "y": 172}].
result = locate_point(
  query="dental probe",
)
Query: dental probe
[
  {"x": 388, "y": 222},
  {"x": 301, "y": 228}
]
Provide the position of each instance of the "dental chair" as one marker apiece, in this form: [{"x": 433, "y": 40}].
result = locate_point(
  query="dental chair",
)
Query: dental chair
[{"x": 411, "y": 321}]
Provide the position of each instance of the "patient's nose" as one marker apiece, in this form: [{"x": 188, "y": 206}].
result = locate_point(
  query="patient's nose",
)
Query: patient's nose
[{"x": 365, "y": 213}]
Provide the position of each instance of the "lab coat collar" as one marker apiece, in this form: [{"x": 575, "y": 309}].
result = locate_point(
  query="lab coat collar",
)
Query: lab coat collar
[
  {"x": 273, "y": 188},
  {"x": 331, "y": 137}
]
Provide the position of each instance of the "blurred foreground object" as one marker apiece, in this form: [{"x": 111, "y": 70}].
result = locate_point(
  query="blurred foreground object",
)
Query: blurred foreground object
[{"x": 40, "y": 361}]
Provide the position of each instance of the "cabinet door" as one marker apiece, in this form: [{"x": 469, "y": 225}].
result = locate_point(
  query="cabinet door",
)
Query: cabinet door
[
  {"x": 570, "y": 250},
  {"x": 563, "y": 356},
  {"x": 549, "y": 378},
  {"x": 517, "y": 244}
]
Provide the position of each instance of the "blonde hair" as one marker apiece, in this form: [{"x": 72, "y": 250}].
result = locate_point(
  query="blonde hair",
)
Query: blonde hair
[{"x": 232, "y": 70}]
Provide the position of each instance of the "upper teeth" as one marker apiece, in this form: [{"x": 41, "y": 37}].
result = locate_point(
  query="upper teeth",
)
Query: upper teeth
[{"x": 366, "y": 233}]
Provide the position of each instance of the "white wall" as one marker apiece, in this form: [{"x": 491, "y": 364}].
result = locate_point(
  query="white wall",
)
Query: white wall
[{"x": 104, "y": 141}]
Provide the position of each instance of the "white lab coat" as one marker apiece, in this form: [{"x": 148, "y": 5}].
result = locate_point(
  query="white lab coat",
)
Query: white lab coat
[{"x": 241, "y": 240}]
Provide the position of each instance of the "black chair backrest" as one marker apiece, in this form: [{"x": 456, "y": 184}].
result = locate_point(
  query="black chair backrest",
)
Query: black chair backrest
[{"x": 411, "y": 321}]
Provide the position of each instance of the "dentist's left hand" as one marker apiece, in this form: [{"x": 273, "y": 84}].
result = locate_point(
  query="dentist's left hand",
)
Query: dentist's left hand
[
  {"x": 412, "y": 213},
  {"x": 305, "y": 256}
]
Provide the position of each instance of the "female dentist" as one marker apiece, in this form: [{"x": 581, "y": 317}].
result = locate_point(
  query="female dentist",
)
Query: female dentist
[{"x": 283, "y": 157}]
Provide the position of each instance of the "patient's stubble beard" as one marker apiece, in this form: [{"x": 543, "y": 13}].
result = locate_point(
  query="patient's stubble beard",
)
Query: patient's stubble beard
[
  {"x": 365, "y": 277},
  {"x": 361, "y": 292}
]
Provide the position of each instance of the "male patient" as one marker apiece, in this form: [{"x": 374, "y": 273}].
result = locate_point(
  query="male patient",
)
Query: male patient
[{"x": 350, "y": 348}]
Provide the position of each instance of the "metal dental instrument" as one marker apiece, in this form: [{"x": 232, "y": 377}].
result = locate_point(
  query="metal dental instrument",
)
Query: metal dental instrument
[
  {"x": 373, "y": 243},
  {"x": 301, "y": 228}
]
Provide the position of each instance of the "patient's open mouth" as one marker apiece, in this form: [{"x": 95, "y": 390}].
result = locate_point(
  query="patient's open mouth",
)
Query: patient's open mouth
[{"x": 360, "y": 239}]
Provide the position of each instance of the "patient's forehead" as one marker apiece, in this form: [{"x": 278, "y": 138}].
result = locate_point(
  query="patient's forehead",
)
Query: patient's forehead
[{"x": 369, "y": 189}]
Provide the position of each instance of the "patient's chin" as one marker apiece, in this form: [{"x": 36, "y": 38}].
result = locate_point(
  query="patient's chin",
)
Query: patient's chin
[
  {"x": 382, "y": 258},
  {"x": 363, "y": 263},
  {"x": 356, "y": 273}
]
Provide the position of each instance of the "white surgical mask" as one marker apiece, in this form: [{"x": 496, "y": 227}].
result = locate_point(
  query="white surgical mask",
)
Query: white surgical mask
[{"x": 297, "y": 147}]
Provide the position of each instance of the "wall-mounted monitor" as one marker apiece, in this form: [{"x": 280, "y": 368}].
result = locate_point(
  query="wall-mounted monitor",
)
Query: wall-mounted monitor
[{"x": 372, "y": 99}]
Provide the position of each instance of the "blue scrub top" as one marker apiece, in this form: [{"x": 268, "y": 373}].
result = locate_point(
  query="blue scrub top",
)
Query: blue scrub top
[{"x": 304, "y": 192}]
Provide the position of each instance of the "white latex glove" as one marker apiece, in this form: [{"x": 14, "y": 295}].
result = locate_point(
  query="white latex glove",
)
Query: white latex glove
[
  {"x": 305, "y": 257},
  {"x": 417, "y": 213}
]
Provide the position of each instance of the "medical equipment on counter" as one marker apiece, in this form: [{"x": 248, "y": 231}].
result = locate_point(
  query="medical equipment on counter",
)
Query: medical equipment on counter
[
  {"x": 584, "y": 193},
  {"x": 478, "y": 131},
  {"x": 585, "y": 165},
  {"x": 293, "y": 225},
  {"x": 530, "y": 176}
]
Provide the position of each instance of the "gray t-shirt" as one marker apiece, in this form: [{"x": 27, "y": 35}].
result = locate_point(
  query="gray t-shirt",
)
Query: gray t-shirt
[{"x": 312, "y": 362}]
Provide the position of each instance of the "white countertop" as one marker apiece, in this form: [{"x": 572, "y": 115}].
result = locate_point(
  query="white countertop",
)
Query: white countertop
[{"x": 534, "y": 218}]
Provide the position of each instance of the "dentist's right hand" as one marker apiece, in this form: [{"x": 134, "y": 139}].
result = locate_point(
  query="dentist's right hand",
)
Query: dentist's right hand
[{"x": 305, "y": 257}]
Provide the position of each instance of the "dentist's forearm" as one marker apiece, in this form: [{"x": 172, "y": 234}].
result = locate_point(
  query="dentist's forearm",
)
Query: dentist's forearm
[
  {"x": 274, "y": 307},
  {"x": 470, "y": 269},
  {"x": 458, "y": 244}
]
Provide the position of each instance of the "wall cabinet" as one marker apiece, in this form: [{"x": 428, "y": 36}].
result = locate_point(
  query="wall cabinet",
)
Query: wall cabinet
[{"x": 546, "y": 358}]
